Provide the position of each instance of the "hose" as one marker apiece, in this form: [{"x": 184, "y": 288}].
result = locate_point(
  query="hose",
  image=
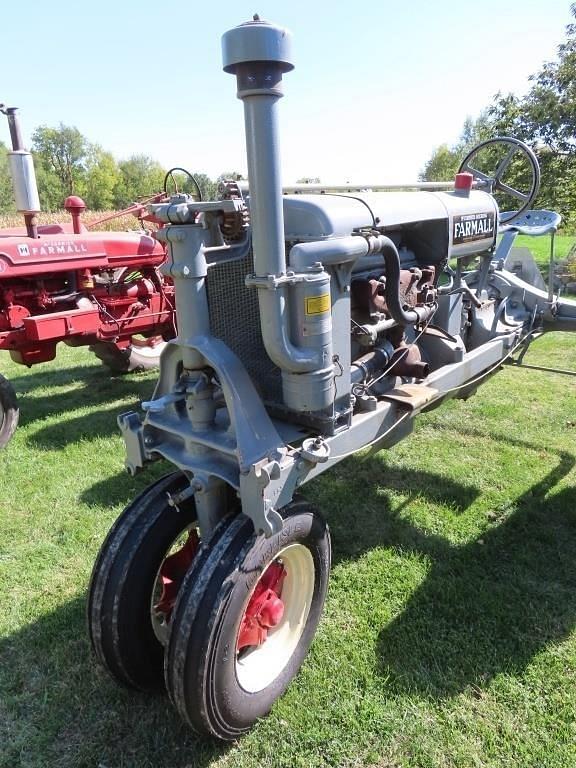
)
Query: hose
[{"x": 386, "y": 247}]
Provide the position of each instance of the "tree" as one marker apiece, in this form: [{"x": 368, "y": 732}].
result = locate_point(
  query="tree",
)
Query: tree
[
  {"x": 445, "y": 160},
  {"x": 50, "y": 189},
  {"x": 139, "y": 176},
  {"x": 545, "y": 118},
  {"x": 102, "y": 179},
  {"x": 230, "y": 176},
  {"x": 7, "y": 204},
  {"x": 443, "y": 164},
  {"x": 208, "y": 188},
  {"x": 551, "y": 103},
  {"x": 61, "y": 152}
]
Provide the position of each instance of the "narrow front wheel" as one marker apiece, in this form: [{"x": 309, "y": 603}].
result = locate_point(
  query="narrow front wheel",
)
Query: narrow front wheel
[
  {"x": 136, "y": 579},
  {"x": 244, "y": 620}
]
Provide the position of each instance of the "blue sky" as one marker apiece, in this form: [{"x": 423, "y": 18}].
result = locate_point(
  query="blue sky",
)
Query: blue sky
[{"x": 377, "y": 85}]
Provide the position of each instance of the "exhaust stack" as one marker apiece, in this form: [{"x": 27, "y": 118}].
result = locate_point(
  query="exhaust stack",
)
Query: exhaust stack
[
  {"x": 22, "y": 173},
  {"x": 295, "y": 309}
]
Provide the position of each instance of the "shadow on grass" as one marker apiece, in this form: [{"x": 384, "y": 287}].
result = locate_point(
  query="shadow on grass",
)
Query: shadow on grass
[
  {"x": 50, "y": 375},
  {"x": 59, "y": 709},
  {"x": 89, "y": 425},
  {"x": 121, "y": 488},
  {"x": 491, "y": 605},
  {"x": 484, "y": 608},
  {"x": 372, "y": 522},
  {"x": 99, "y": 387}
]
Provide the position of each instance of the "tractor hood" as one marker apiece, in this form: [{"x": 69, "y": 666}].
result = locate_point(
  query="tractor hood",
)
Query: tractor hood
[
  {"x": 22, "y": 256},
  {"x": 469, "y": 223}
]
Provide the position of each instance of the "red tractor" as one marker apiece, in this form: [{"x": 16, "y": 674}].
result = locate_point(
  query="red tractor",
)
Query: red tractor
[{"x": 63, "y": 282}]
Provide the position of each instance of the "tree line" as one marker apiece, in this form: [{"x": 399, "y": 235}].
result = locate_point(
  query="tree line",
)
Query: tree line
[
  {"x": 544, "y": 118},
  {"x": 67, "y": 163}
]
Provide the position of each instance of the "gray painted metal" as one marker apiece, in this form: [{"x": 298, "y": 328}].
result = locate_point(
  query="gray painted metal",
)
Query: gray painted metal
[
  {"x": 319, "y": 217},
  {"x": 429, "y": 186},
  {"x": 257, "y": 40},
  {"x": 207, "y": 416},
  {"x": 258, "y": 53}
]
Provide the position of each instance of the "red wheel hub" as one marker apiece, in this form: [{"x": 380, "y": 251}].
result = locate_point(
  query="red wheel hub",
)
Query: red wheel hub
[
  {"x": 265, "y": 609},
  {"x": 172, "y": 571}
]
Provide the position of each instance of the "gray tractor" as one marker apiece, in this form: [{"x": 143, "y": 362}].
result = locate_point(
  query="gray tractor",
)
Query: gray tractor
[{"x": 312, "y": 323}]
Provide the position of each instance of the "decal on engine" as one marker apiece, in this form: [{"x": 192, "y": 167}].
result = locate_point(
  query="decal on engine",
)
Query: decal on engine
[
  {"x": 473, "y": 226},
  {"x": 317, "y": 305}
]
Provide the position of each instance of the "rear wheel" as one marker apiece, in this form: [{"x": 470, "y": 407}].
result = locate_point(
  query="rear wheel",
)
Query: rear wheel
[
  {"x": 135, "y": 581},
  {"x": 9, "y": 411},
  {"x": 140, "y": 355},
  {"x": 244, "y": 620}
]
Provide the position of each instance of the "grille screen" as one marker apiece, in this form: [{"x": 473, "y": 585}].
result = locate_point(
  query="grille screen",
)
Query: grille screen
[{"x": 234, "y": 318}]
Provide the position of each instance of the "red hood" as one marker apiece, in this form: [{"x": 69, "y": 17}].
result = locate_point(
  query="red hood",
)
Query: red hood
[{"x": 60, "y": 252}]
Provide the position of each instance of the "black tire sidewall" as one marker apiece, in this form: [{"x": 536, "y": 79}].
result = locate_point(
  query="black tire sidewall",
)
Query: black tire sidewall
[
  {"x": 10, "y": 412},
  {"x": 227, "y": 703},
  {"x": 137, "y": 642},
  {"x": 122, "y": 582}
]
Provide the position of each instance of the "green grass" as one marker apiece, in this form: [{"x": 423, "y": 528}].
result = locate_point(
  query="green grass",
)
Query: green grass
[
  {"x": 448, "y": 637},
  {"x": 540, "y": 247}
]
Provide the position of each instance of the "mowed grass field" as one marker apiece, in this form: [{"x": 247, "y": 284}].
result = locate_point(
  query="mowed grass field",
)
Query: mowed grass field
[
  {"x": 449, "y": 634},
  {"x": 448, "y": 637}
]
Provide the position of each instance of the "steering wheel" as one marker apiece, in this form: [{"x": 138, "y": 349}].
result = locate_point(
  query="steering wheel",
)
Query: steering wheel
[
  {"x": 170, "y": 175},
  {"x": 493, "y": 182}
]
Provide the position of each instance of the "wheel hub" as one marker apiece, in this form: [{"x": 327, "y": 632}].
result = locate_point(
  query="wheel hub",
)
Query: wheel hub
[
  {"x": 171, "y": 573},
  {"x": 265, "y": 609}
]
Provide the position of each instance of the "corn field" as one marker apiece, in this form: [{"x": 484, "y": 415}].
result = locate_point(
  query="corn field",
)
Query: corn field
[{"x": 120, "y": 224}]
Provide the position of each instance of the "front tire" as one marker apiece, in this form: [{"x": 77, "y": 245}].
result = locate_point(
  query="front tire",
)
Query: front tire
[
  {"x": 9, "y": 411},
  {"x": 226, "y": 664},
  {"x": 128, "y": 618}
]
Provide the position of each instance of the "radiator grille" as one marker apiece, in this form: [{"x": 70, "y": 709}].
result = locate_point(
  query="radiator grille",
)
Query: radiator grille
[{"x": 234, "y": 318}]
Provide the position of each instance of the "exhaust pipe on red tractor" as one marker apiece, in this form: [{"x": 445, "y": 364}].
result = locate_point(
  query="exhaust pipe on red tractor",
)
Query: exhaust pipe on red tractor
[{"x": 22, "y": 173}]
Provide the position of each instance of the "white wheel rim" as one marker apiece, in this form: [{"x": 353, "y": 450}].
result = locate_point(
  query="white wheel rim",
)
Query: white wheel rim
[
  {"x": 147, "y": 351},
  {"x": 258, "y": 667}
]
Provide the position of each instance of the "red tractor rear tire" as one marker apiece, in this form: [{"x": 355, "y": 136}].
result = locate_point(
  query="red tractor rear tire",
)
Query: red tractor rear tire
[
  {"x": 138, "y": 356},
  {"x": 9, "y": 411}
]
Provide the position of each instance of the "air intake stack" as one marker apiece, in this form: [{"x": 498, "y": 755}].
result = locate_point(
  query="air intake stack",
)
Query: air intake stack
[{"x": 295, "y": 308}]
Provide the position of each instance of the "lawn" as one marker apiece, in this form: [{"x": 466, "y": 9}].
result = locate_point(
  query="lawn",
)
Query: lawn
[
  {"x": 540, "y": 247},
  {"x": 448, "y": 637},
  {"x": 447, "y": 634}
]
